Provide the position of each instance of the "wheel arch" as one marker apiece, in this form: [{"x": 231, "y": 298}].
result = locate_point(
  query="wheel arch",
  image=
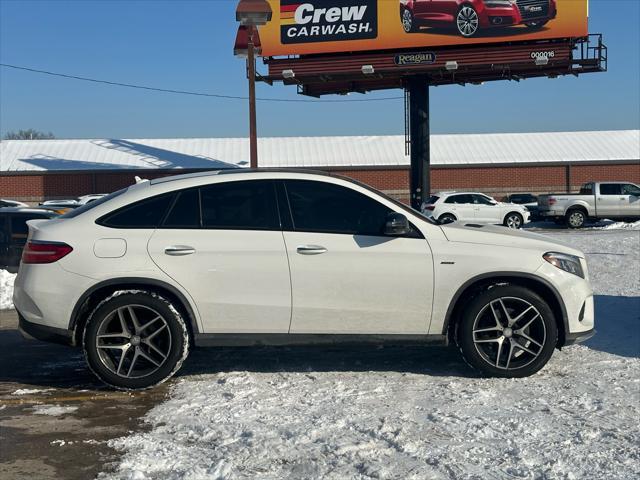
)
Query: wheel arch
[
  {"x": 577, "y": 206},
  {"x": 90, "y": 299},
  {"x": 481, "y": 282},
  {"x": 449, "y": 214},
  {"x": 511, "y": 212}
]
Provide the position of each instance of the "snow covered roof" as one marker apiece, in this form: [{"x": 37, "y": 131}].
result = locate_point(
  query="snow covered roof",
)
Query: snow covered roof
[{"x": 317, "y": 152}]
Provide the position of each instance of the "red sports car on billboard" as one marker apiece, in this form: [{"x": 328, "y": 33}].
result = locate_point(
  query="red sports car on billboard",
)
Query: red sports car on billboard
[{"x": 470, "y": 16}]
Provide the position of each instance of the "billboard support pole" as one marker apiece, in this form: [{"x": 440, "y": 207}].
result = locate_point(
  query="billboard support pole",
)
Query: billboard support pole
[
  {"x": 420, "y": 180},
  {"x": 251, "y": 67}
]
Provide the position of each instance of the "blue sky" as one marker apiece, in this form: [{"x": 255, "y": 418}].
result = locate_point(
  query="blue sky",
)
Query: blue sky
[{"x": 187, "y": 45}]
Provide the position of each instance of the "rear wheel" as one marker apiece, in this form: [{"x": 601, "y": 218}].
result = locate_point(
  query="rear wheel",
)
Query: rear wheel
[
  {"x": 513, "y": 220},
  {"x": 507, "y": 331},
  {"x": 134, "y": 340},
  {"x": 576, "y": 218},
  {"x": 447, "y": 218}
]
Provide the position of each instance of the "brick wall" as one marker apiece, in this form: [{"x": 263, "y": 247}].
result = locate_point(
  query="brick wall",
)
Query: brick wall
[{"x": 497, "y": 181}]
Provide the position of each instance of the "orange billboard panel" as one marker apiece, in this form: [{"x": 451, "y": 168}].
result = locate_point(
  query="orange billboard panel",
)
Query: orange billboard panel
[{"x": 328, "y": 26}]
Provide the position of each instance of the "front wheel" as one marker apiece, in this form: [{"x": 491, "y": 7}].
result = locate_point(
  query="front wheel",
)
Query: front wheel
[
  {"x": 467, "y": 21},
  {"x": 408, "y": 21},
  {"x": 513, "y": 220},
  {"x": 507, "y": 331},
  {"x": 446, "y": 218},
  {"x": 135, "y": 340}
]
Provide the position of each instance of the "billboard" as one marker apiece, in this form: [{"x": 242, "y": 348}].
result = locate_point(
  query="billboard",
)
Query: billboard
[{"x": 329, "y": 26}]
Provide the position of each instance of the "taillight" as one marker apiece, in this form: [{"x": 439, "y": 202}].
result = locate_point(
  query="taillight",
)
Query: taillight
[
  {"x": 45, "y": 252},
  {"x": 431, "y": 208},
  {"x": 552, "y": 201}
]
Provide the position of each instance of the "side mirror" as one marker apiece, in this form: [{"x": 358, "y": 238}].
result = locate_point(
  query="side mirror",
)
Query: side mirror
[{"x": 397, "y": 225}]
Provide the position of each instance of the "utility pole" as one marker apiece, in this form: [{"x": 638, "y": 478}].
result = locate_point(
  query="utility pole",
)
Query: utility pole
[{"x": 251, "y": 14}]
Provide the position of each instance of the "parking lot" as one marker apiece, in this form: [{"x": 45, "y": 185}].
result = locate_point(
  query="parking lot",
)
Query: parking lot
[
  {"x": 54, "y": 416},
  {"x": 341, "y": 412}
]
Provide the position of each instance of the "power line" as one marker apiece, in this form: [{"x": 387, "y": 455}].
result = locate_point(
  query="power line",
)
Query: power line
[{"x": 186, "y": 92}]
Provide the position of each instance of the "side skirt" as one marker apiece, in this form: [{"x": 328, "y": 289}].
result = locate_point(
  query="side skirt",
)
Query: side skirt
[{"x": 285, "y": 339}]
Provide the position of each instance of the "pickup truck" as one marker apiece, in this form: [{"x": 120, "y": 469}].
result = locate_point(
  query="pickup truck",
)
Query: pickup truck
[{"x": 596, "y": 200}]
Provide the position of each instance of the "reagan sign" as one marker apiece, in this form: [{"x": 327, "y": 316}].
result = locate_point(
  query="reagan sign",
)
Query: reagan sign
[{"x": 325, "y": 26}]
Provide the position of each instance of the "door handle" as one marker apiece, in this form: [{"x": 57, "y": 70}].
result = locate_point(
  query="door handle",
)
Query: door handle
[
  {"x": 311, "y": 250},
  {"x": 179, "y": 250}
]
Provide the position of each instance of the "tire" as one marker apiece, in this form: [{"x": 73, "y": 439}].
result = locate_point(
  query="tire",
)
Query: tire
[
  {"x": 575, "y": 218},
  {"x": 409, "y": 24},
  {"x": 536, "y": 25},
  {"x": 135, "y": 340},
  {"x": 447, "y": 218},
  {"x": 513, "y": 220},
  {"x": 495, "y": 346},
  {"x": 467, "y": 21}
]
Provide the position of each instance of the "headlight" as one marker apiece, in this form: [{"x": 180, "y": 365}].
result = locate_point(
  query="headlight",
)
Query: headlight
[{"x": 568, "y": 263}]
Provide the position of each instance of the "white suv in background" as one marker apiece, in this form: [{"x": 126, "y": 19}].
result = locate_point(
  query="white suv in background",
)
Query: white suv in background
[
  {"x": 277, "y": 257},
  {"x": 448, "y": 207}
]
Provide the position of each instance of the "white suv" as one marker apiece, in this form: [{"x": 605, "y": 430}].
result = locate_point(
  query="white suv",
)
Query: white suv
[
  {"x": 448, "y": 207},
  {"x": 277, "y": 257}
]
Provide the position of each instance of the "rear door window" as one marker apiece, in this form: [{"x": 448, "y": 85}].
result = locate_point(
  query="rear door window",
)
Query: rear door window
[
  {"x": 185, "y": 212},
  {"x": 242, "y": 205},
  {"x": 587, "y": 189},
  {"x": 459, "y": 199},
  {"x": 610, "y": 189}
]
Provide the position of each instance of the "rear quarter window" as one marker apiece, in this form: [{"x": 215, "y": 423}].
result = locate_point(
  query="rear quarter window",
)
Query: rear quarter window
[{"x": 146, "y": 213}]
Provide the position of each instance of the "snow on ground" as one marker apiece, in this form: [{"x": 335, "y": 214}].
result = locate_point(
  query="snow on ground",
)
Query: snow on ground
[
  {"x": 6, "y": 289},
  {"x": 31, "y": 391},
  {"x": 620, "y": 226},
  {"x": 409, "y": 412},
  {"x": 53, "y": 410}
]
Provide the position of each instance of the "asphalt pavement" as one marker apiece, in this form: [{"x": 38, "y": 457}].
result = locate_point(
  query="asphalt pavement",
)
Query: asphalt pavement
[{"x": 55, "y": 417}]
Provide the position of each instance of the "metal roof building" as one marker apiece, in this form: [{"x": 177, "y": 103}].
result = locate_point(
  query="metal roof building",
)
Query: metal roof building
[
  {"x": 318, "y": 152},
  {"x": 32, "y": 170}
]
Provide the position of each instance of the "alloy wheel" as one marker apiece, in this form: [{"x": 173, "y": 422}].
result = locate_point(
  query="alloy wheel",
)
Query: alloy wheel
[
  {"x": 467, "y": 21},
  {"x": 576, "y": 219},
  {"x": 133, "y": 341},
  {"x": 514, "y": 221},
  {"x": 509, "y": 333}
]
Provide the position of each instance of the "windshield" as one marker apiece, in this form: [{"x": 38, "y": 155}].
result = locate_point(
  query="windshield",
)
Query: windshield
[{"x": 88, "y": 206}]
